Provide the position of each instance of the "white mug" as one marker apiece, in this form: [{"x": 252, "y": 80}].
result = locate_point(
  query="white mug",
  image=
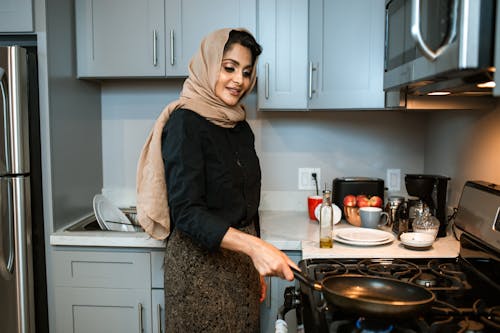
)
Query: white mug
[{"x": 371, "y": 217}]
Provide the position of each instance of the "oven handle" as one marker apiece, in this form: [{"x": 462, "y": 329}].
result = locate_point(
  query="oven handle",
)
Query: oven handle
[{"x": 417, "y": 34}]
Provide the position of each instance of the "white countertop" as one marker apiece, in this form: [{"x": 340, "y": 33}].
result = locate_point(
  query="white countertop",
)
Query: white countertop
[
  {"x": 105, "y": 238},
  {"x": 283, "y": 229},
  {"x": 445, "y": 247},
  {"x": 294, "y": 231},
  {"x": 287, "y": 230}
]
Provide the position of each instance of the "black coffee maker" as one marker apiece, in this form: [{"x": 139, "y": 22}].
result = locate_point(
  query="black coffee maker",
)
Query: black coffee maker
[{"x": 431, "y": 189}]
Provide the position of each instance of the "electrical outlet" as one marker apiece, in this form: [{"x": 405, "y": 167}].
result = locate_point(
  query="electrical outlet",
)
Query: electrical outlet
[
  {"x": 306, "y": 180},
  {"x": 393, "y": 180}
]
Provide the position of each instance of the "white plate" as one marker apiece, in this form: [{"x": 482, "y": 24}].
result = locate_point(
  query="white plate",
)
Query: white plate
[
  {"x": 363, "y": 235},
  {"x": 337, "y": 213},
  {"x": 345, "y": 241},
  {"x": 109, "y": 216}
]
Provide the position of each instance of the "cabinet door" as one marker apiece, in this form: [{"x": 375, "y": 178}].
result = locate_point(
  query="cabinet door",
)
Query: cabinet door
[
  {"x": 16, "y": 16},
  {"x": 188, "y": 21},
  {"x": 158, "y": 310},
  {"x": 120, "y": 38},
  {"x": 346, "y": 48},
  {"x": 95, "y": 310},
  {"x": 283, "y": 67},
  {"x": 275, "y": 299}
]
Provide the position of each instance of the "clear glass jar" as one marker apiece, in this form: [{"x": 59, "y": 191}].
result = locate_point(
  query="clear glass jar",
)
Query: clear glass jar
[
  {"x": 326, "y": 221},
  {"x": 425, "y": 222}
]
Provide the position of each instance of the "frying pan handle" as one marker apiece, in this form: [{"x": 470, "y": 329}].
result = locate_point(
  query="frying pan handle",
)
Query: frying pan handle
[{"x": 302, "y": 278}]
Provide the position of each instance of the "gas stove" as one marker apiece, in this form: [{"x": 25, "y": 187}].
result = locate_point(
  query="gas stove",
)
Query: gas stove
[{"x": 466, "y": 288}]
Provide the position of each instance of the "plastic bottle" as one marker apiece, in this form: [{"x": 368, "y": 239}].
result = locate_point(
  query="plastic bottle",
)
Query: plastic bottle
[{"x": 326, "y": 221}]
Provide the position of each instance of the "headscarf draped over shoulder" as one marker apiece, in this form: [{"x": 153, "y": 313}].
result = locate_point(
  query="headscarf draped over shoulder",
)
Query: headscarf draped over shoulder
[{"x": 198, "y": 95}]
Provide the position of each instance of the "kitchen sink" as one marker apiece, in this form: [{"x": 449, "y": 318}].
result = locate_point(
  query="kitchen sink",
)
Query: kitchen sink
[{"x": 89, "y": 222}]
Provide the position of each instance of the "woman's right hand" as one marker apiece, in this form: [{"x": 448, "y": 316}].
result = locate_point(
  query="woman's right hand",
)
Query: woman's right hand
[{"x": 267, "y": 259}]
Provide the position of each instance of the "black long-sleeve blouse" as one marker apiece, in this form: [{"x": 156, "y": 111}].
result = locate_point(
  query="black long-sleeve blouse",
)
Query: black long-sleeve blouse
[{"x": 213, "y": 177}]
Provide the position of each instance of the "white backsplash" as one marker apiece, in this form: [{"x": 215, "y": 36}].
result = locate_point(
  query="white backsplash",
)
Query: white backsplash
[
  {"x": 341, "y": 143},
  {"x": 270, "y": 200}
]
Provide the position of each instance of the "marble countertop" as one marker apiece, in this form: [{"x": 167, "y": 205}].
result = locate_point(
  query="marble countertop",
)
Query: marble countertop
[
  {"x": 105, "y": 239},
  {"x": 294, "y": 231},
  {"x": 287, "y": 230},
  {"x": 445, "y": 247}
]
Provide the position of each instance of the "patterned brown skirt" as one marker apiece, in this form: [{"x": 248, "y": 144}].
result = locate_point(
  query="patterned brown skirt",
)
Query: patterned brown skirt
[{"x": 209, "y": 292}]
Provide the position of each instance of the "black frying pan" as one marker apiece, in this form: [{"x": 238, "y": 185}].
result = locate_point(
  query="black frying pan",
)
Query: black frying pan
[{"x": 372, "y": 296}]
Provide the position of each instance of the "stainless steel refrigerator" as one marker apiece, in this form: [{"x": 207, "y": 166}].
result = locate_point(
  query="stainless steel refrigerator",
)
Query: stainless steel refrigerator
[{"x": 23, "y": 304}]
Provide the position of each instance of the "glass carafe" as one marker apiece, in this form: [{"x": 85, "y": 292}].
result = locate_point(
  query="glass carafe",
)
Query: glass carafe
[
  {"x": 425, "y": 222},
  {"x": 326, "y": 221}
]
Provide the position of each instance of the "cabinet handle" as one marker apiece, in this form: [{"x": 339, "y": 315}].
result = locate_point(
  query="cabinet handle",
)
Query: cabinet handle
[
  {"x": 310, "y": 90},
  {"x": 141, "y": 327},
  {"x": 159, "y": 318},
  {"x": 266, "y": 80},
  {"x": 172, "y": 47},
  {"x": 268, "y": 293},
  {"x": 155, "y": 48}
]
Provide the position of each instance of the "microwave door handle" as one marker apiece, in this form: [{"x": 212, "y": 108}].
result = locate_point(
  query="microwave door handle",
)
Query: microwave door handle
[{"x": 417, "y": 34}]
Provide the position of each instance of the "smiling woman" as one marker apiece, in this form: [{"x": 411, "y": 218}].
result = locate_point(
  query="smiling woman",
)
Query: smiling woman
[
  {"x": 234, "y": 76},
  {"x": 201, "y": 152}
]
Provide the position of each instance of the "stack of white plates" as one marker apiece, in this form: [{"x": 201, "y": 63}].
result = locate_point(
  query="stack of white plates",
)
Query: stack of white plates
[
  {"x": 109, "y": 216},
  {"x": 363, "y": 236}
]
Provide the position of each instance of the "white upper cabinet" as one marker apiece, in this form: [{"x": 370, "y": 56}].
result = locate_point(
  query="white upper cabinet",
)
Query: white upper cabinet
[
  {"x": 188, "y": 21},
  {"x": 321, "y": 54},
  {"x": 282, "y": 66},
  {"x": 150, "y": 38},
  {"x": 120, "y": 38},
  {"x": 346, "y": 49},
  {"x": 16, "y": 16}
]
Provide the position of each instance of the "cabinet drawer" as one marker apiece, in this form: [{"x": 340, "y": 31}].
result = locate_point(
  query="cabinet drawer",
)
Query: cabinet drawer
[
  {"x": 102, "y": 269},
  {"x": 157, "y": 269},
  {"x": 98, "y": 310}
]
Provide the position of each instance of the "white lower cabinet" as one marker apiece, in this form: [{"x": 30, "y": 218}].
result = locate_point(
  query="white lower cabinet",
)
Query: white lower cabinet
[
  {"x": 158, "y": 303},
  {"x": 101, "y": 290},
  {"x": 97, "y": 310},
  {"x": 274, "y": 299},
  {"x": 106, "y": 291}
]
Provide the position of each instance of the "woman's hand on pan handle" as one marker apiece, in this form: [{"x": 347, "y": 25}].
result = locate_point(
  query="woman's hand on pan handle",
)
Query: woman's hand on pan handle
[{"x": 267, "y": 259}]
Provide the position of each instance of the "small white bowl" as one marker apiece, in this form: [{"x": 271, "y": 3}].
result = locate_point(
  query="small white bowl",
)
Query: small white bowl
[{"x": 417, "y": 240}]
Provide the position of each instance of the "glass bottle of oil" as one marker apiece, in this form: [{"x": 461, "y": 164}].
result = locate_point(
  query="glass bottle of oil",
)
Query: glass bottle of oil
[{"x": 326, "y": 221}]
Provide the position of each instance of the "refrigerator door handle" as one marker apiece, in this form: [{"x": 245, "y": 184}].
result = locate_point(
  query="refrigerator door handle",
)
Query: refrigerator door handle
[
  {"x": 7, "y": 264},
  {"x": 4, "y": 156},
  {"x": 14, "y": 151}
]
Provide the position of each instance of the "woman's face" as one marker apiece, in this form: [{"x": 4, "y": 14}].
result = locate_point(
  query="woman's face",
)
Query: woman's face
[{"x": 234, "y": 76}]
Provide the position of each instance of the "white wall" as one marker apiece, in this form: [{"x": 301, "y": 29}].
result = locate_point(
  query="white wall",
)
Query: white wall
[
  {"x": 464, "y": 145},
  {"x": 341, "y": 143}
]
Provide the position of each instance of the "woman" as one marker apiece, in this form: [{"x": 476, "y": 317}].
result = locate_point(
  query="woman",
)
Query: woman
[{"x": 202, "y": 151}]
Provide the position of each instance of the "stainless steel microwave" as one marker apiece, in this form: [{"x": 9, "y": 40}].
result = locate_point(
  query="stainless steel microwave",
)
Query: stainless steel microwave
[{"x": 440, "y": 46}]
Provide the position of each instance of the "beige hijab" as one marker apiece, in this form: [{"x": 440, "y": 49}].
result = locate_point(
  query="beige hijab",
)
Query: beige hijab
[{"x": 198, "y": 95}]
